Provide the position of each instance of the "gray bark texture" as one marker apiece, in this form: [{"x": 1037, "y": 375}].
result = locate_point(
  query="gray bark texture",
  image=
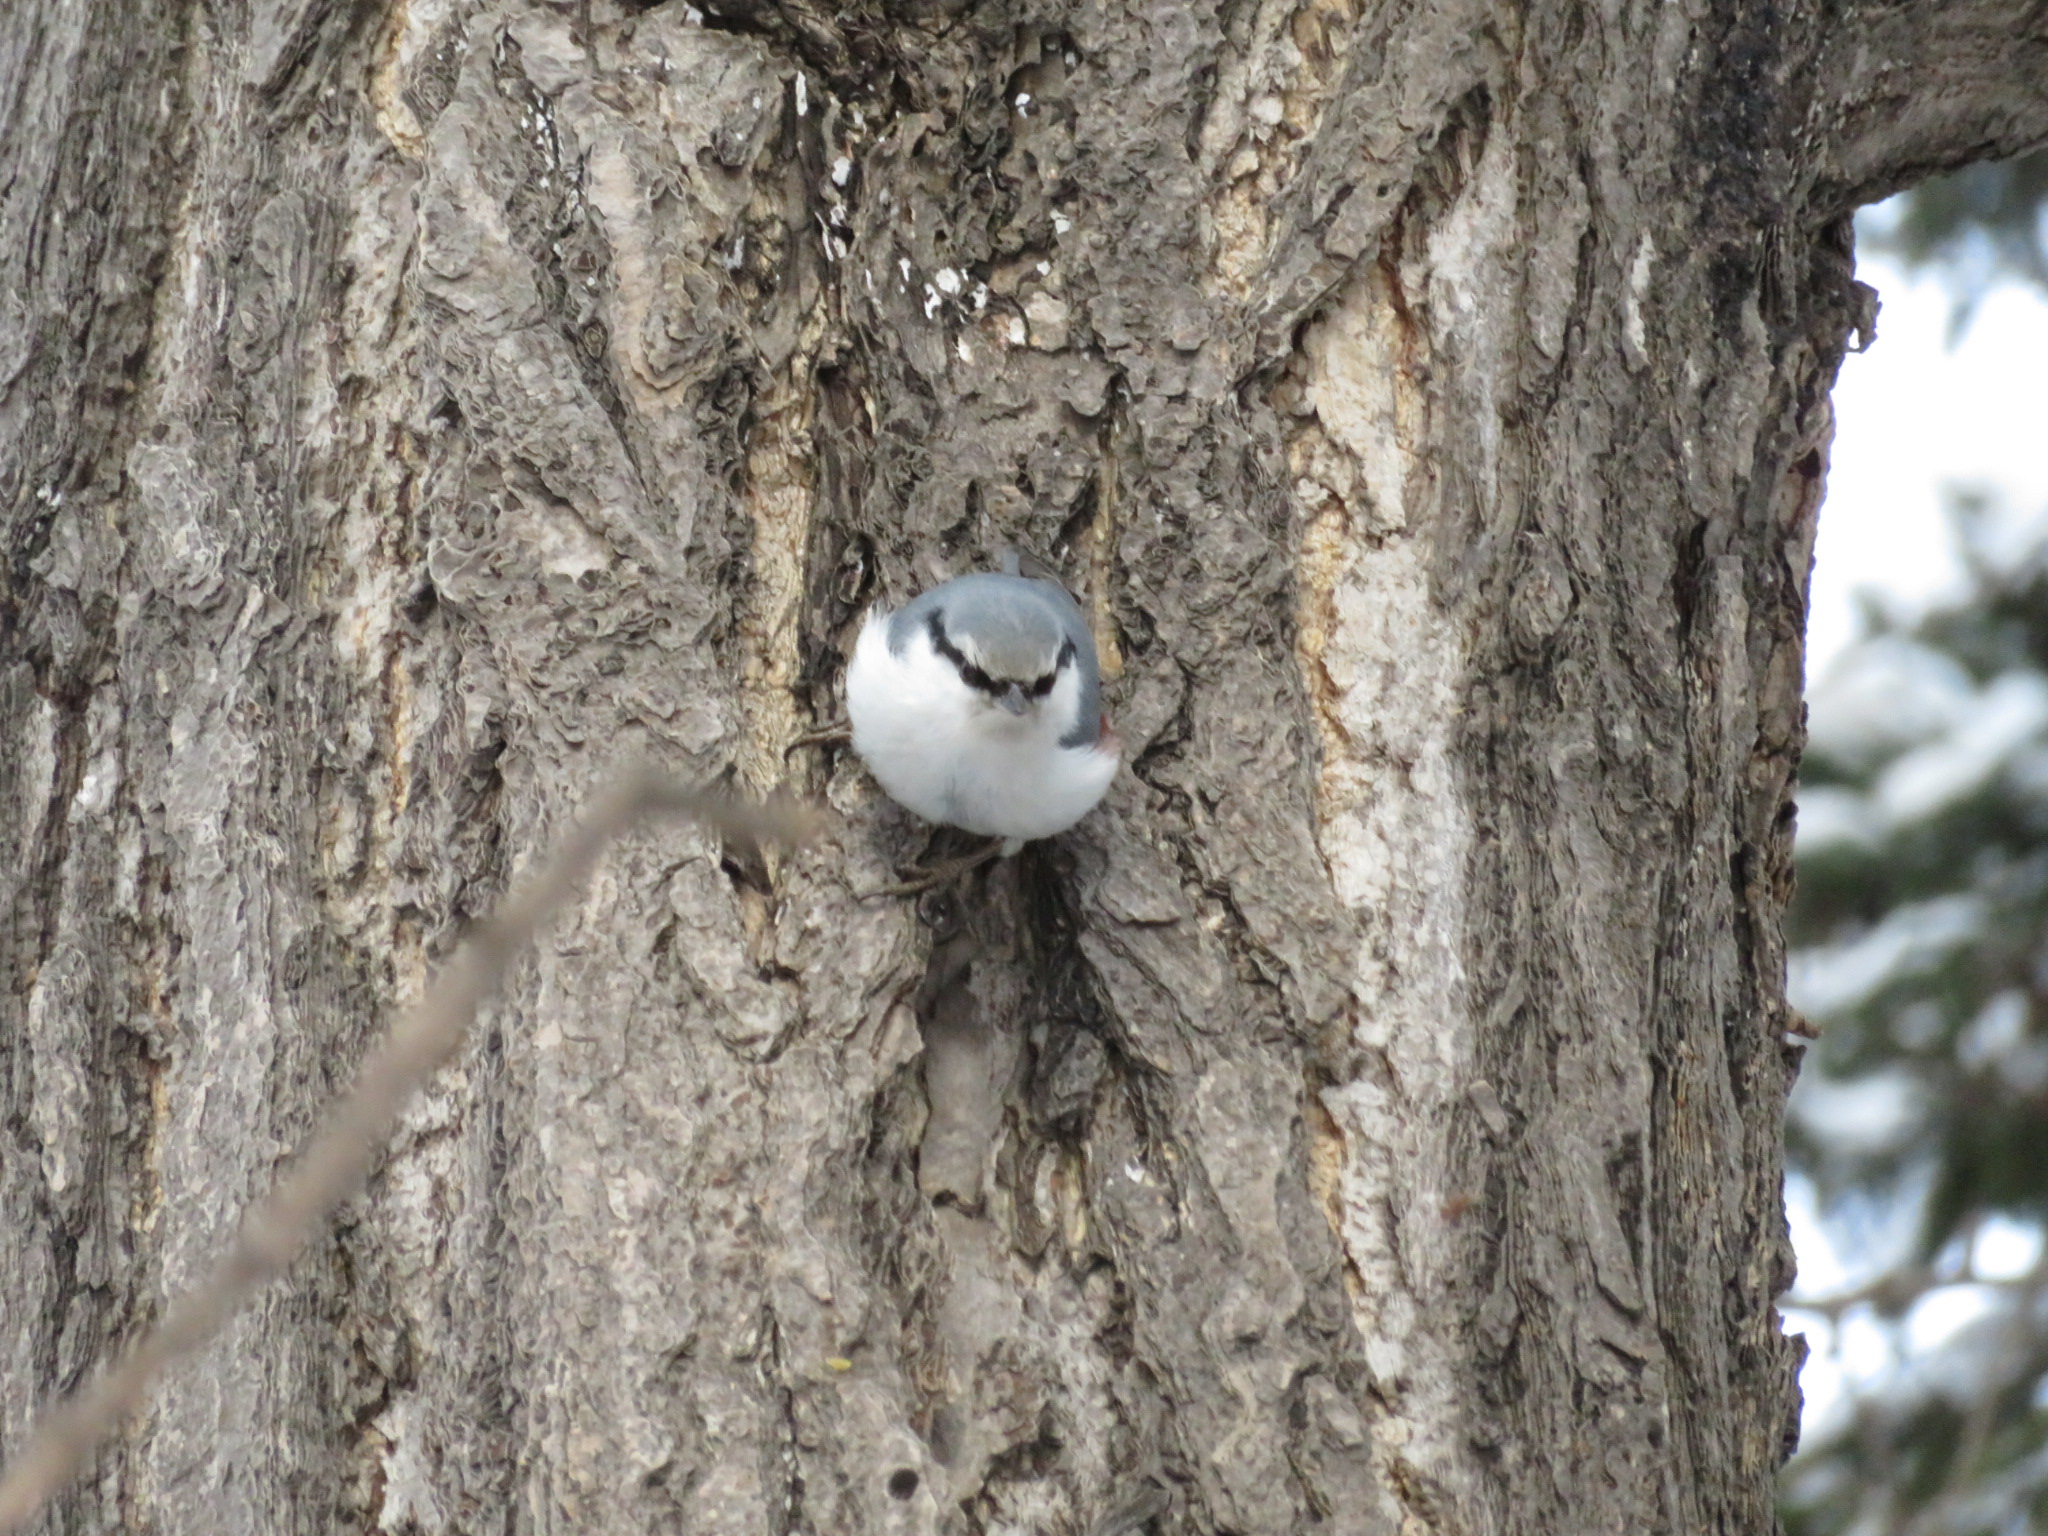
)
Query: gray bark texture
[{"x": 1367, "y": 1121}]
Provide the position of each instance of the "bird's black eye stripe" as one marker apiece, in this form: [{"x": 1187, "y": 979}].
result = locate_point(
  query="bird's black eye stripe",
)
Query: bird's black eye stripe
[
  {"x": 970, "y": 674},
  {"x": 977, "y": 679},
  {"x": 1043, "y": 686}
]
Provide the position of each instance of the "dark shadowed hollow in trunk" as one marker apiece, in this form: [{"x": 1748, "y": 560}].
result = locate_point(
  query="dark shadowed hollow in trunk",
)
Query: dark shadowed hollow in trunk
[{"x": 1368, "y": 1120}]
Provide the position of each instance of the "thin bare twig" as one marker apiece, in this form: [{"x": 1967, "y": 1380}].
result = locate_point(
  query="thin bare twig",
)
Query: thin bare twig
[{"x": 337, "y": 1159}]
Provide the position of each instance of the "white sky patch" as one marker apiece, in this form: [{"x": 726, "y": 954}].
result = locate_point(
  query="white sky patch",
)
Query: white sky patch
[
  {"x": 1913, "y": 416},
  {"x": 1860, "y": 1351},
  {"x": 1868, "y": 1114},
  {"x": 1821, "y": 1270},
  {"x": 2005, "y": 1249},
  {"x": 1830, "y": 815},
  {"x": 1840, "y": 1357},
  {"x": 1940, "y": 1315}
]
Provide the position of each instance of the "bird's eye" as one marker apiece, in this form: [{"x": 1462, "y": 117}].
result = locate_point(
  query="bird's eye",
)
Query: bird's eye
[
  {"x": 1043, "y": 686},
  {"x": 970, "y": 674}
]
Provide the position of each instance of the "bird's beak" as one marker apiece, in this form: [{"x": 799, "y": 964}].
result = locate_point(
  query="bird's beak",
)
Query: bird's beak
[{"x": 1012, "y": 699}]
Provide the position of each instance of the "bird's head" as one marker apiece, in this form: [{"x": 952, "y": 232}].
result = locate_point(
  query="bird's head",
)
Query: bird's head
[{"x": 1010, "y": 653}]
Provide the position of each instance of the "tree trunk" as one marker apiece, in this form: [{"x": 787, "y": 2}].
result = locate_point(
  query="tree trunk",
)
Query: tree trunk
[{"x": 1366, "y": 1121}]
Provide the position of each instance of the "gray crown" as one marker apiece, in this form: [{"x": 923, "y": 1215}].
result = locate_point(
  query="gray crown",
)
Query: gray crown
[{"x": 1014, "y": 628}]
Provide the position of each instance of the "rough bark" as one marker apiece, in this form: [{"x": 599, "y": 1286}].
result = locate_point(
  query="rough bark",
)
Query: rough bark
[{"x": 1367, "y": 1121}]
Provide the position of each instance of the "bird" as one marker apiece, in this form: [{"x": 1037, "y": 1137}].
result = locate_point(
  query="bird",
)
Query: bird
[{"x": 978, "y": 705}]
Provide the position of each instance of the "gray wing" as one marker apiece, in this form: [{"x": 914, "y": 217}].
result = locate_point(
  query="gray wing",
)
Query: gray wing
[{"x": 1022, "y": 601}]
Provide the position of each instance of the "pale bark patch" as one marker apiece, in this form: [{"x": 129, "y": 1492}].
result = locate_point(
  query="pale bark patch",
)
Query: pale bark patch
[
  {"x": 778, "y": 497},
  {"x": 1385, "y": 667},
  {"x": 1472, "y": 268},
  {"x": 1634, "y": 339},
  {"x": 1269, "y": 102}
]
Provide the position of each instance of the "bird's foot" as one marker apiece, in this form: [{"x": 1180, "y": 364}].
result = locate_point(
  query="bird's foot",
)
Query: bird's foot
[
  {"x": 837, "y": 732},
  {"x": 930, "y": 877}
]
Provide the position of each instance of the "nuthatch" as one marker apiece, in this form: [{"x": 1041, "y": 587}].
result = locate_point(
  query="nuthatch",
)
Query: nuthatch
[{"x": 978, "y": 704}]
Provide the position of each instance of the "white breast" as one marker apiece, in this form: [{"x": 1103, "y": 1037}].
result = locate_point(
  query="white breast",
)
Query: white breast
[{"x": 945, "y": 752}]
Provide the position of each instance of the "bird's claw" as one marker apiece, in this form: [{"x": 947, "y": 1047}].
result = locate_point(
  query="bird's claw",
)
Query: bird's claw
[
  {"x": 943, "y": 873},
  {"x": 838, "y": 731}
]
